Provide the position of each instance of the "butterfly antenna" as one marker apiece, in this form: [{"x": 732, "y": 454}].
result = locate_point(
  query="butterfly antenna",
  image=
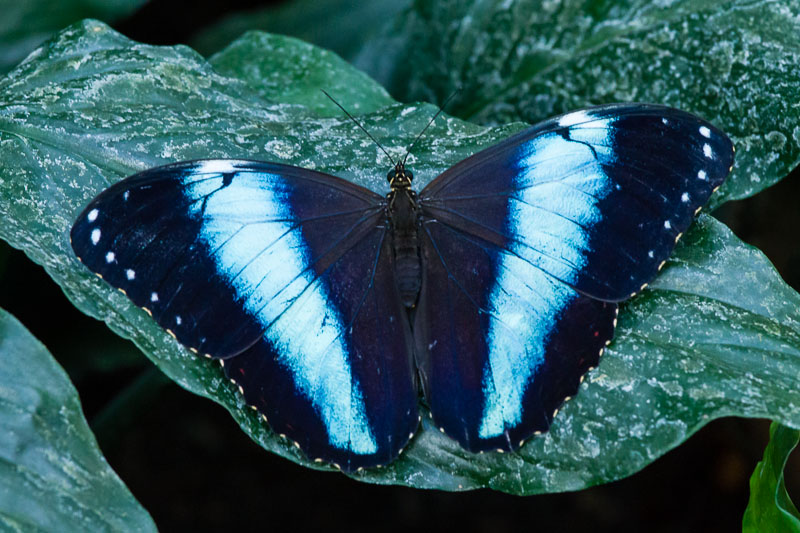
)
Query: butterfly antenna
[
  {"x": 351, "y": 117},
  {"x": 458, "y": 90}
]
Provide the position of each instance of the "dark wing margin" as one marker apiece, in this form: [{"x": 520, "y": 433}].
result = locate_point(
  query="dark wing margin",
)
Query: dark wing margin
[
  {"x": 528, "y": 245},
  {"x": 269, "y": 266}
]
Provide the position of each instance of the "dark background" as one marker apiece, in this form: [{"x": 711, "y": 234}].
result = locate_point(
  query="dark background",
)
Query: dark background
[{"x": 188, "y": 463}]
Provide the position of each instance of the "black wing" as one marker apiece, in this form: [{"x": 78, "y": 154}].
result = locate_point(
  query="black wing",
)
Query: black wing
[
  {"x": 528, "y": 244},
  {"x": 281, "y": 271}
]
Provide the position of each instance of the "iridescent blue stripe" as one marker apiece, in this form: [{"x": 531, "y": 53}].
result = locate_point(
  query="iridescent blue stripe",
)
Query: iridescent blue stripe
[
  {"x": 259, "y": 250},
  {"x": 560, "y": 183}
]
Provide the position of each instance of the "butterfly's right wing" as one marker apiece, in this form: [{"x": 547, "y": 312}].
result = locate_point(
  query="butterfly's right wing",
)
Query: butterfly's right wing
[
  {"x": 282, "y": 272},
  {"x": 528, "y": 245}
]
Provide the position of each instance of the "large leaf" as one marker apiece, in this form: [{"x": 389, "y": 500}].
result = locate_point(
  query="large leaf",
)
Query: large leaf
[
  {"x": 305, "y": 71},
  {"x": 718, "y": 334},
  {"x": 733, "y": 62},
  {"x": 52, "y": 474},
  {"x": 338, "y": 25},
  {"x": 24, "y": 25},
  {"x": 770, "y": 508}
]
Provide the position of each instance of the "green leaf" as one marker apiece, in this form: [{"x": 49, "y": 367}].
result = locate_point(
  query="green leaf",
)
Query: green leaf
[
  {"x": 770, "y": 508},
  {"x": 733, "y": 62},
  {"x": 53, "y": 476},
  {"x": 338, "y": 25},
  {"x": 25, "y": 25},
  {"x": 305, "y": 72},
  {"x": 716, "y": 335}
]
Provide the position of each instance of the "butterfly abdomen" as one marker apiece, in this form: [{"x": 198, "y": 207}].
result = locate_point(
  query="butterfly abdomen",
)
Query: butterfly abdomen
[{"x": 404, "y": 216}]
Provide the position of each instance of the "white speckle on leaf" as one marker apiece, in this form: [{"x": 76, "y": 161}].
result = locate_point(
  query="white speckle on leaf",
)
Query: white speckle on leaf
[
  {"x": 281, "y": 149},
  {"x": 637, "y": 430}
]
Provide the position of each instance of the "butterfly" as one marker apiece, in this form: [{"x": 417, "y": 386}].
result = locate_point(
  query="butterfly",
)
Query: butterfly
[{"x": 491, "y": 292}]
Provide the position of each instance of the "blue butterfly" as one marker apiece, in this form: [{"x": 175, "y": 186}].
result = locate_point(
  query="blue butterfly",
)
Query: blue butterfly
[{"x": 494, "y": 288}]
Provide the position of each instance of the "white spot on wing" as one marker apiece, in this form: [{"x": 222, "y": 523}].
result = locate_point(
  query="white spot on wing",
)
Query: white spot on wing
[
  {"x": 178, "y": 320},
  {"x": 95, "y": 236},
  {"x": 125, "y": 195},
  {"x": 705, "y": 132},
  {"x": 667, "y": 224},
  {"x": 130, "y": 274},
  {"x": 110, "y": 257},
  {"x": 685, "y": 197},
  {"x": 701, "y": 174},
  {"x": 154, "y": 297},
  {"x": 92, "y": 216},
  {"x": 707, "y": 150},
  {"x": 650, "y": 254}
]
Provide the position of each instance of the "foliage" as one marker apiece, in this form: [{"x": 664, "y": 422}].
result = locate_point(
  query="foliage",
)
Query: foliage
[
  {"x": 770, "y": 508},
  {"x": 52, "y": 474}
]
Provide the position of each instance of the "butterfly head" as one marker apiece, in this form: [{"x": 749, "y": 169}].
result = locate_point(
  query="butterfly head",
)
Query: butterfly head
[{"x": 399, "y": 177}]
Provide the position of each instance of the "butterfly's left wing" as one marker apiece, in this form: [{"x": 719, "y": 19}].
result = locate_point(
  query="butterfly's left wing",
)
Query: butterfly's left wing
[
  {"x": 284, "y": 274},
  {"x": 527, "y": 246}
]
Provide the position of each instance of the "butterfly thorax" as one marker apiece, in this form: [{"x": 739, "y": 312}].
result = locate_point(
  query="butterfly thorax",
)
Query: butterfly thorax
[{"x": 403, "y": 217}]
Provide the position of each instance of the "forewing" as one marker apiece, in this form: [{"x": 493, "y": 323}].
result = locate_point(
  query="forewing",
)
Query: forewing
[
  {"x": 282, "y": 272},
  {"x": 528, "y": 244},
  {"x": 204, "y": 245},
  {"x": 598, "y": 197}
]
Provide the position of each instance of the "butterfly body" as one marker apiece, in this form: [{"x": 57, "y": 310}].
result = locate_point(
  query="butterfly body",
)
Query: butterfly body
[
  {"x": 493, "y": 290},
  {"x": 403, "y": 213}
]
